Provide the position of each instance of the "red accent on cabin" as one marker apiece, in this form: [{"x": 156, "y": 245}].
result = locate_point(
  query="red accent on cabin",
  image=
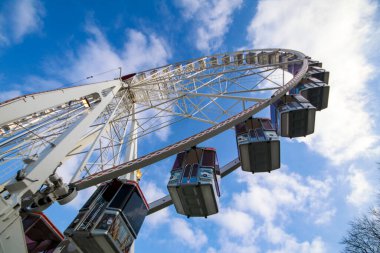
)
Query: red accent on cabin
[
  {"x": 126, "y": 77},
  {"x": 40, "y": 233}
]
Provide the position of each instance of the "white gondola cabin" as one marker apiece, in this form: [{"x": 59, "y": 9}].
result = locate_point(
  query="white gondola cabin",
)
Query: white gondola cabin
[
  {"x": 293, "y": 116},
  {"x": 315, "y": 91},
  {"x": 258, "y": 145},
  {"x": 194, "y": 182},
  {"x": 111, "y": 219}
]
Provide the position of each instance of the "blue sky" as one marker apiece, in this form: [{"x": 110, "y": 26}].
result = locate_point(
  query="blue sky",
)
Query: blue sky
[{"x": 325, "y": 180}]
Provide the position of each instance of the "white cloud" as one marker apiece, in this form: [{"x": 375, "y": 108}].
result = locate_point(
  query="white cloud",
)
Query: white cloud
[
  {"x": 338, "y": 33},
  {"x": 143, "y": 52},
  {"x": 19, "y": 19},
  {"x": 27, "y": 17},
  {"x": 271, "y": 196},
  {"x": 152, "y": 193},
  {"x": 158, "y": 218},
  {"x": 227, "y": 245},
  {"x": 263, "y": 210},
  {"x": 285, "y": 243},
  {"x": 362, "y": 191},
  {"x": 98, "y": 59},
  {"x": 97, "y": 55},
  {"x": 235, "y": 222},
  {"x": 194, "y": 238},
  {"x": 212, "y": 20}
]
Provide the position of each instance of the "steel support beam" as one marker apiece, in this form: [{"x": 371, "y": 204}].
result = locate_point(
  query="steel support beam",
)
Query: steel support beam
[{"x": 25, "y": 105}]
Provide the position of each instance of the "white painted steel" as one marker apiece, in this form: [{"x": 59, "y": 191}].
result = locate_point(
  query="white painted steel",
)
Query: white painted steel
[
  {"x": 89, "y": 153},
  {"x": 23, "y": 106}
]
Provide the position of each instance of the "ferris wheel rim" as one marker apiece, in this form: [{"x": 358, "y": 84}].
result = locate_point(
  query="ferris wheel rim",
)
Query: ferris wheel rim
[{"x": 193, "y": 140}]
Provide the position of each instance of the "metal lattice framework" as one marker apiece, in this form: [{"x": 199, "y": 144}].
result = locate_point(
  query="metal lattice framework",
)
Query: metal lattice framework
[{"x": 95, "y": 125}]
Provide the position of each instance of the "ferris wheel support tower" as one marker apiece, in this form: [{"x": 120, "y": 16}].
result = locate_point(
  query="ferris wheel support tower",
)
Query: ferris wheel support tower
[
  {"x": 50, "y": 159},
  {"x": 30, "y": 179}
]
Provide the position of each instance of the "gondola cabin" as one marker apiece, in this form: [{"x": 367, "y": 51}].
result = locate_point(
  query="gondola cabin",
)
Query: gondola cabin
[
  {"x": 284, "y": 59},
  {"x": 313, "y": 63},
  {"x": 274, "y": 57},
  {"x": 194, "y": 182},
  {"x": 226, "y": 59},
  {"x": 40, "y": 233},
  {"x": 258, "y": 145},
  {"x": 263, "y": 58},
  {"x": 111, "y": 219},
  {"x": 319, "y": 73},
  {"x": 294, "y": 66},
  {"x": 238, "y": 59},
  {"x": 314, "y": 90},
  {"x": 293, "y": 116},
  {"x": 251, "y": 58}
]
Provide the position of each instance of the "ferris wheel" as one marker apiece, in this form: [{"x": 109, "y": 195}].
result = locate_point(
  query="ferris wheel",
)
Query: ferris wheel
[{"x": 96, "y": 129}]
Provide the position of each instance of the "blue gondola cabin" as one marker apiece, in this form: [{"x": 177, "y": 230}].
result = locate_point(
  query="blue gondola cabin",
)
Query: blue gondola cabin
[
  {"x": 194, "y": 182},
  {"x": 258, "y": 145},
  {"x": 315, "y": 91},
  {"x": 318, "y": 73},
  {"x": 111, "y": 219},
  {"x": 293, "y": 116},
  {"x": 293, "y": 66}
]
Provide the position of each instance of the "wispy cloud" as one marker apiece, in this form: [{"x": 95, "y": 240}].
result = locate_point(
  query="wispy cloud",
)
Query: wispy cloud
[
  {"x": 281, "y": 192},
  {"x": 99, "y": 60},
  {"x": 20, "y": 18},
  {"x": 191, "y": 237},
  {"x": 152, "y": 192},
  {"x": 261, "y": 212},
  {"x": 286, "y": 243},
  {"x": 98, "y": 55},
  {"x": 361, "y": 190},
  {"x": 212, "y": 20},
  {"x": 337, "y": 33},
  {"x": 236, "y": 222}
]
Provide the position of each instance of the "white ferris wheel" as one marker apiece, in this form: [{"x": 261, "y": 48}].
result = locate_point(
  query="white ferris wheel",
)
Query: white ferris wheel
[{"x": 99, "y": 127}]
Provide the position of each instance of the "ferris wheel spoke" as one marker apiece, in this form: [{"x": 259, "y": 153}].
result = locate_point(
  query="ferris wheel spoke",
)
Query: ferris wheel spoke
[
  {"x": 224, "y": 96},
  {"x": 181, "y": 114}
]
